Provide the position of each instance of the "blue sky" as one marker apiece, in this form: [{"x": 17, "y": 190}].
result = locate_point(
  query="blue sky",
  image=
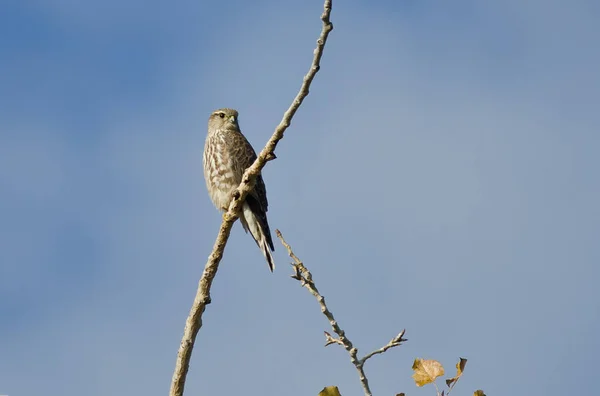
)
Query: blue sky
[{"x": 441, "y": 177}]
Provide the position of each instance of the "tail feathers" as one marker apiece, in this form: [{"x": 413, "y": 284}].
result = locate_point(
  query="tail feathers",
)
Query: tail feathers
[
  {"x": 255, "y": 221},
  {"x": 268, "y": 255}
]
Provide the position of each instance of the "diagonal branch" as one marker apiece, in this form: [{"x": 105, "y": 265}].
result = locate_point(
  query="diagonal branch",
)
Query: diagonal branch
[
  {"x": 303, "y": 275},
  {"x": 194, "y": 320}
]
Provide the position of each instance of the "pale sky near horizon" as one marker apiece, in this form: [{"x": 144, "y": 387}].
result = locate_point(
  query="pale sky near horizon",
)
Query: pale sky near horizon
[{"x": 442, "y": 176}]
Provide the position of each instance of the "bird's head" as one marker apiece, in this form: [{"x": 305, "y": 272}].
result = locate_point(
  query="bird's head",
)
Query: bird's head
[{"x": 223, "y": 119}]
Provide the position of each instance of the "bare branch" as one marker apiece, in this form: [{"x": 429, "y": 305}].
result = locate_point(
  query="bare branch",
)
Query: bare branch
[
  {"x": 194, "y": 320},
  {"x": 303, "y": 275},
  {"x": 393, "y": 343}
]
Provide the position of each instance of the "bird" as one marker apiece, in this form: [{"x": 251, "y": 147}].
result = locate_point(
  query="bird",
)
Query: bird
[{"x": 227, "y": 154}]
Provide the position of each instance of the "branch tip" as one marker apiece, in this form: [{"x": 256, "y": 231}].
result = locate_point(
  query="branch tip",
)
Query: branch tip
[{"x": 303, "y": 275}]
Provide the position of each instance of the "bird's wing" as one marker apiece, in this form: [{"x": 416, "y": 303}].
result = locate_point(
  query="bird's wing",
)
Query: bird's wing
[
  {"x": 246, "y": 156},
  {"x": 257, "y": 199}
]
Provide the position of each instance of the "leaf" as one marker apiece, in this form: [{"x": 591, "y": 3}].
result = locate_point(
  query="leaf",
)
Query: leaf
[
  {"x": 330, "y": 391},
  {"x": 460, "y": 367},
  {"x": 426, "y": 371},
  {"x": 478, "y": 393}
]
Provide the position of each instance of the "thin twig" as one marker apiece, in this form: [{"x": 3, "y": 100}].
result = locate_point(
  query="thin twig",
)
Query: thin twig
[
  {"x": 303, "y": 275},
  {"x": 437, "y": 390},
  {"x": 396, "y": 341},
  {"x": 194, "y": 320}
]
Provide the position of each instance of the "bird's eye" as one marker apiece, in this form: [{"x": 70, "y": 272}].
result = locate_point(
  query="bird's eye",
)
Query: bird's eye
[{"x": 222, "y": 115}]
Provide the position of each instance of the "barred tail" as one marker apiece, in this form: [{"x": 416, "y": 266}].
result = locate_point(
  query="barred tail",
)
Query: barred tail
[{"x": 254, "y": 219}]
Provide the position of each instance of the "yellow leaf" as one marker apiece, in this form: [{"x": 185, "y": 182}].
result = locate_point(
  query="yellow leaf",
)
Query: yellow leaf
[
  {"x": 426, "y": 371},
  {"x": 478, "y": 393},
  {"x": 460, "y": 367},
  {"x": 330, "y": 391}
]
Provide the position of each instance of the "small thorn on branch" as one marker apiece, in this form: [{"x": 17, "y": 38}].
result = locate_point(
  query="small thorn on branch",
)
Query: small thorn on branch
[
  {"x": 296, "y": 275},
  {"x": 332, "y": 340},
  {"x": 399, "y": 338}
]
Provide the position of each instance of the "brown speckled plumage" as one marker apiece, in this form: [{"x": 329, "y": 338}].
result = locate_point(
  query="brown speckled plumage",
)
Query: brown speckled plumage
[{"x": 227, "y": 154}]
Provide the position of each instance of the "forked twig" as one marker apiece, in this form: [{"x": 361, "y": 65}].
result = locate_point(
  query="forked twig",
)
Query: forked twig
[{"x": 303, "y": 275}]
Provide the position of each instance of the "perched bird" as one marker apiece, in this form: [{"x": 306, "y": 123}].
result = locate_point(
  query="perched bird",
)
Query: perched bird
[{"x": 227, "y": 154}]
